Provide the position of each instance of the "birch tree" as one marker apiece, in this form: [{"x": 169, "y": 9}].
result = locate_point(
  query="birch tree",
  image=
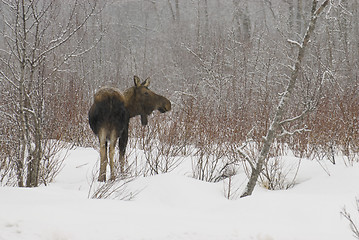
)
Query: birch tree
[
  {"x": 277, "y": 124},
  {"x": 39, "y": 37}
]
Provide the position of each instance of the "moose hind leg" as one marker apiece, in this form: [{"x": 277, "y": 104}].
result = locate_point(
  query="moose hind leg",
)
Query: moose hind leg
[
  {"x": 113, "y": 140},
  {"x": 122, "y": 146},
  {"x": 103, "y": 156}
]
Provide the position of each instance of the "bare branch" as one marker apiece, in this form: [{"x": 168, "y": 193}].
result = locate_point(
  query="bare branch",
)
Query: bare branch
[
  {"x": 352, "y": 224},
  {"x": 61, "y": 40},
  {"x": 245, "y": 156},
  {"x": 295, "y": 43},
  {"x": 4, "y": 77},
  {"x": 299, "y": 117}
]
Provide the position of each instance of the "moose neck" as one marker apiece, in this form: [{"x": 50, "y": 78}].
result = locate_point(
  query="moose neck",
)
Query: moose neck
[{"x": 130, "y": 104}]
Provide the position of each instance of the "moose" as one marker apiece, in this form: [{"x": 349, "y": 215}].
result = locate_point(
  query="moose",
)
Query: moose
[{"x": 110, "y": 114}]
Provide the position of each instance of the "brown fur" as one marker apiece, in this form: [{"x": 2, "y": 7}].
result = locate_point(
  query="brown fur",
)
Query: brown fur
[
  {"x": 105, "y": 92},
  {"x": 110, "y": 113}
]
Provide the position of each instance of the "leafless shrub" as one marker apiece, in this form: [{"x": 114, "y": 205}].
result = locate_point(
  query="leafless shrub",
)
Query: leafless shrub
[
  {"x": 350, "y": 154},
  {"x": 159, "y": 158},
  {"x": 160, "y": 144},
  {"x": 245, "y": 153},
  {"x": 354, "y": 227},
  {"x": 54, "y": 154},
  {"x": 334, "y": 128},
  {"x": 117, "y": 189},
  {"x": 231, "y": 185},
  {"x": 276, "y": 176},
  {"x": 133, "y": 159},
  {"x": 208, "y": 162},
  {"x": 7, "y": 173}
]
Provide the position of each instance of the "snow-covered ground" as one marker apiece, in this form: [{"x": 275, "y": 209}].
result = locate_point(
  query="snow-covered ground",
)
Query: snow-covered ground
[{"x": 174, "y": 206}]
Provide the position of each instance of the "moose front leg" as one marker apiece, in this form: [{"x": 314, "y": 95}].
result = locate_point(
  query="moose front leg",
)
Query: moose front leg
[{"x": 144, "y": 119}]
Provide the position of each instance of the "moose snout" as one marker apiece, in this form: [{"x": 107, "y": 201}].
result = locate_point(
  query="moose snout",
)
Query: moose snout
[{"x": 166, "y": 106}]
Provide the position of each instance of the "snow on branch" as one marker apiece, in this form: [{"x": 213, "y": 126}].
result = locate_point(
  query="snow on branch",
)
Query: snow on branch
[
  {"x": 294, "y": 43},
  {"x": 288, "y": 133}
]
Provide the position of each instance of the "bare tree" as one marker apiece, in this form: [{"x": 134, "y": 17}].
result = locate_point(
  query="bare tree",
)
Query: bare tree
[
  {"x": 278, "y": 122},
  {"x": 40, "y": 38}
]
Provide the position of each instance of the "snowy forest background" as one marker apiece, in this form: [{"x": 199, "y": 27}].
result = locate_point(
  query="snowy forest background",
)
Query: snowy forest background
[{"x": 223, "y": 65}]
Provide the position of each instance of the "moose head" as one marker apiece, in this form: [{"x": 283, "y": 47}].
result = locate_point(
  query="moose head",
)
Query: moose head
[{"x": 140, "y": 100}]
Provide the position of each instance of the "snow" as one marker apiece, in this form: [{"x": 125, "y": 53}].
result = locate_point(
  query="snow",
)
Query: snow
[{"x": 174, "y": 206}]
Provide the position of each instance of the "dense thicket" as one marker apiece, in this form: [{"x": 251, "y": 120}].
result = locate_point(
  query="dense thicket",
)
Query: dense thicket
[{"x": 223, "y": 64}]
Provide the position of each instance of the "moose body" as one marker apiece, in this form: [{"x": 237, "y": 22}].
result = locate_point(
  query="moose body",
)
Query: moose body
[{"x": 110, "y": 114}]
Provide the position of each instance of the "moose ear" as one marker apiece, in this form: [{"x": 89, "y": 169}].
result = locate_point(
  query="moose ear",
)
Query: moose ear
[
  {"x": 146, "y": 82},
  {"x": 137, "y": 81}
]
